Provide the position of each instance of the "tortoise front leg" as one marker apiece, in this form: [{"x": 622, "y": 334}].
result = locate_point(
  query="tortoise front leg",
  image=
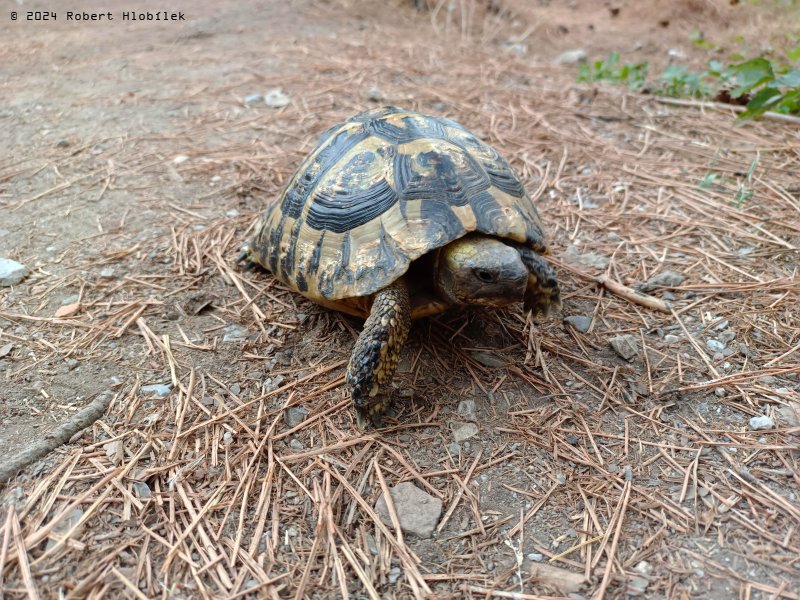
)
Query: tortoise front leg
[
  {"x": 377, "y": 352},
  {"x": 542, "y": 294}
]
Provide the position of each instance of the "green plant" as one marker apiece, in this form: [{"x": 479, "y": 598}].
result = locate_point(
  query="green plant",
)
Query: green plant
[
  {"x": 770, "y": 88},
  {"x": 633, "y": 75}
]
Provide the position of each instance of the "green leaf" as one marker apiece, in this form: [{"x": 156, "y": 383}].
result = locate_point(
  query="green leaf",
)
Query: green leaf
[
  {"x": 790, "y": 79},
  {"x": 751, "y": 74},
  {"x": 761, "y": 102},
  {"x": 794, "y": 54}
]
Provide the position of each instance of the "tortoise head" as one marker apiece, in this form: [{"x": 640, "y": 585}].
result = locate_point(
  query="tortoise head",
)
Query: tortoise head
[{"x": 480, "y": 270}]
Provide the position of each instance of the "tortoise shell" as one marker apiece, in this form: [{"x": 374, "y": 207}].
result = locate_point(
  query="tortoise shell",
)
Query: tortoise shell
[{"x": 378, "y": 192}]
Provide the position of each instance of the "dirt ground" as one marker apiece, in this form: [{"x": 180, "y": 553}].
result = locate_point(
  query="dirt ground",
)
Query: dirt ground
[{"x": 134, "y": 161}]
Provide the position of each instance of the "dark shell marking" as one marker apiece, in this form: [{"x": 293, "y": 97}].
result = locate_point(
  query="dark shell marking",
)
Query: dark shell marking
[{"x": 379, "y": 191}]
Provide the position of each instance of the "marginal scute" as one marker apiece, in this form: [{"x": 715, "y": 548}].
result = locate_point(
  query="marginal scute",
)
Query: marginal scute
[{"x": 381, "y": 190}]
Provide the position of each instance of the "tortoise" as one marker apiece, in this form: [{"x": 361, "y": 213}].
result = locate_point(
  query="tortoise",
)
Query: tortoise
[{"x": 397, "y": 215}]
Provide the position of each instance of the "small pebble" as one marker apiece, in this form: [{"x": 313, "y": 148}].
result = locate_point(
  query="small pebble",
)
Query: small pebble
[
  {"x": 465, "y": 432},
  {"x": 394, "y": 574},
  {"x": 159, "y": 390},
  {"x": 579, "y": 322},
  {"x": 625, "y": 345},
  {"x": 232, "y": 212},
  {"x": 374, "y": 95},
  {"x": 535, "y": 557},
  {"x": 11, "y": 272},
  {"x": 295, "y": 415},
  {"x": 250, "y": 98},
  {"x": 663, "y": 279},
  {"x": 234, "y": 334},
  {"x": 720, "y": 392},
  {"x": 235, "y": 389},
  {"x": 296, "y": 444},
  {"x": 71, "y": 363},
  {"x": 107, "y": 273},
  {"x": 572, "y": 57},
  {"x": 454, "y": 448},
  {"x": 761, "y": 422},
  {"x": 671, "y": 339},
  {"x": 715, "y": 345},
  {"x": 276, "y": 98},
  {"x": 466, "y": 408}
]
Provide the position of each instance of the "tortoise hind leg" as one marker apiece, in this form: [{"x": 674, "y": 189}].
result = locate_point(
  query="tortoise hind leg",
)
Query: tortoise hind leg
[
  {"x": 377, "y": 352},
  {"x": 542, "y": 294}
]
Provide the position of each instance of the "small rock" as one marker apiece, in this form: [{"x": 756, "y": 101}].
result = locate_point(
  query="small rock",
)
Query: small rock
[
  {"x": 417, "y": 511},
  {"x": 627, "y": 472},
  {"x": 159, "y": 390},
  {"x": 488, "y": 359},
  {"x": 663, "y": 279},
  {"x": 227, "y": 438},
  {"x": 107, "y": 273},
  {"x": 790, "y": 414},
  {"x": 232, "y": 212},
  {"x": 466, "y": 408},
  {"x": 715, "y": 345},
  {"x": 726, "y": 336},
  {"x": 454, "y": 448},
  {"x": 235, "y": 389},
  {"x": 572, "y": 439},
  {"x": 720, "y": 392},
  {"x": 768, "y": 379},
  {"x": 250, "y": 98},
  {"x": 625, "y": 345},
  {"x": 234, "y": 334},
  {"x": 142, "y": 489},
  {"x": 579, "y": 322},
  {"x": 671, "y": 339},
  {"x": 11, "y": 272},
  {"x": 6, "y": 350},
  {"x": 276, "y": 98},
  {"x": 590, "y": 259},
  {"x": 115, "y": 452},
  {"x": 296, "y": 445},
  {"x": 761, "y": 422},
  {"x": 561, "y": 479},
  {"x": 271, "y": 384},
  {"x": 394, "y": 574},
  {"x": 572, "y": 57},
  {"x": 636, "y": 586},
  {"x": 535, "y": 557},
  {"x": 295, "y": 415},
  {"x": 180, "y": 159},
  {"x": 374, "y": 95},
  {"x": 465, "y": 432},
  {"x": 722, "y": 325},
  {"x": 68, "y": 310}
]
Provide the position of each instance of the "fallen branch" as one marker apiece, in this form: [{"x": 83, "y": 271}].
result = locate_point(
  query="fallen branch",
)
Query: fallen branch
[
  {"x": 632, "y": 295},
  {"x": 60, "y": 435},
  {"x": 723, "y": 106}
]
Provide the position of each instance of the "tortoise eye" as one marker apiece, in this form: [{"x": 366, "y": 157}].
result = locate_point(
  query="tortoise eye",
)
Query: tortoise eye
[{"x": 484, "y": 275}]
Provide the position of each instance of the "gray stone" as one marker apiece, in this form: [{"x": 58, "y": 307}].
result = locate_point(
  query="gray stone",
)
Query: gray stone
[
  {"x": 296, "y": 445},
  {"x": 572, "y": 57},
  {"x": 535, "y": 557},
  {"x": 625, "y": 345},
  {"x": 250, "y": 98},
  {"x": 761, "y": 422},
  {"x": 394, "y": 574},
  {"x": 720, "y": 392},
  {"x": 715, "y": 345},
  {"x": 663, "y": 279},
  {"x": 107, "y": 273},
  {"x": 64, "y": 525},
  {"x": 417, "y": 511},
  {"x": 159, "y": 390},
  {"x": 590, "y": 259},
  {"x": 276, "y": 98},
  {"x": 374, "y": 95},
  {"x": 295, "y": 415},
  {"x": 466, "y": 408},
  {"x": 579, "y": 322},
  {"x": 465, "y": 431},
  {"x": 488, "y": 359},
  {"x": 671, "y": 339},
  {"x": 6, "y": 350},
  {"x": 11, "y": 272},
  {"x": 234, "y": 333},
  {"x": 454, "y": 448},
  {"x": 726, "y": 336}
]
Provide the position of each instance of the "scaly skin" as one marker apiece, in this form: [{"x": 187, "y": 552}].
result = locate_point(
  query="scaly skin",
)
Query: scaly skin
[
  {"x": 542, "y": 294},
  {"x": 377, "y": 352}
]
